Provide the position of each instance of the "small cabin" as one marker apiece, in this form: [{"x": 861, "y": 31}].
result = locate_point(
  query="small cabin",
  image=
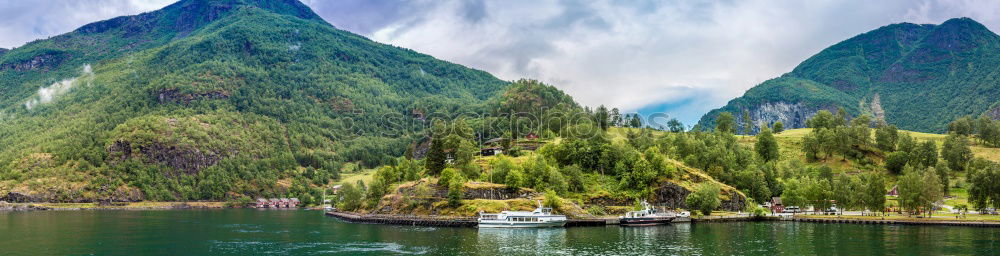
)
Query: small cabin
[
  {"x": 285, "y": 203},
  {"x": 491, "y": 151},
  {"x": 335, "y": 189},
  {"x": 776, "y": 205},
  {"x": 275, "y": 203},
  {"x": 262, "y": 203},
  {"x": 531, "y": 136},
  {"x": 893, "y": 192},
  {"x": 293, "y": 202}
]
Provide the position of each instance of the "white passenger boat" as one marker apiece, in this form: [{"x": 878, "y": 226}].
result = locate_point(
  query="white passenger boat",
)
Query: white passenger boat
[{"x": 541, "y": 217}]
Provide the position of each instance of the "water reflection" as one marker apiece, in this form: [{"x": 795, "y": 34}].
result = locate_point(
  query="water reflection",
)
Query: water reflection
[
  {"x": 520, "y": 240},
  {"x": 242, "y": 232}
]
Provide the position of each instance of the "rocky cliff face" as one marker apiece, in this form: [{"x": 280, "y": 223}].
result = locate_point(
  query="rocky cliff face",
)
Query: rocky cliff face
[
  {"x": 44, "y": 62},
  {"x": 175, "y": 96},
  {"x": 993, "y": 112},
  {"x": 187, "y": 159},
  {"x": 791, "y": 115},
  {"x": 794, "y": 115},
  {"x": 671, "y": 195},
  {"x": 876, "y": 108}
]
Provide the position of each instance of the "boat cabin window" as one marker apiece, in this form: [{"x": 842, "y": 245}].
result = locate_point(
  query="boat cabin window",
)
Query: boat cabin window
[{"x": 523, "y": 219}]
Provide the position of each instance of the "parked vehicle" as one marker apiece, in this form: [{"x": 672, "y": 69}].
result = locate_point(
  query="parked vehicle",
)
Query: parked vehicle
[
  {"x": 830, "y": 211},
  {"x": 791, "y": 209}
]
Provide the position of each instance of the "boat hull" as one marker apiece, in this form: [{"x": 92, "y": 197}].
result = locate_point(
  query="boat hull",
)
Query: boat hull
[
  {"x": 647, "y": 221},
  {"x": 502, "y": 224}
]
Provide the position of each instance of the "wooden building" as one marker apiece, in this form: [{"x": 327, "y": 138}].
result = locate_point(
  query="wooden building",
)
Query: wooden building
[
  {"x": 491, "y": 151},
  {"x": 776, "y": 205},
  {"x": 531, "y": 136},
  {"x": 893, "y": 192}
]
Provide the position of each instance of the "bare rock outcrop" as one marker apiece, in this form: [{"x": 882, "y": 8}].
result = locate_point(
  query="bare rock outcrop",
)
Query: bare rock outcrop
[
  {"x": 671, "y": 195},
  {"x": 175, "y": 96},
  {"x": 791, "y": 115},
  {"x": 44, "y": 62},
  {"x": 190, "y": 160}
]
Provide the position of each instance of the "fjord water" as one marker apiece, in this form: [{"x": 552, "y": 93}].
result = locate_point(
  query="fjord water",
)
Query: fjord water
[{"x": 301, "y": 232}]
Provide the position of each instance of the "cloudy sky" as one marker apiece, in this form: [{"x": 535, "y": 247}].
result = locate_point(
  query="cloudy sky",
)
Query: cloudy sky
[{"x": 679, "y": 57}]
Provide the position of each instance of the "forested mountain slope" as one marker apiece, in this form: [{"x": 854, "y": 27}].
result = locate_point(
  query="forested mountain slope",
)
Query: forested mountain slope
[
  {"x": 210, "y": 99},
  {"x": 918, "y": 77}
]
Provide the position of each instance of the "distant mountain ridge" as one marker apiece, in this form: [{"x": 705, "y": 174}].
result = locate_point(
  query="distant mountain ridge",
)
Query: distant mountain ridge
[{"x": 918, "y": 77}]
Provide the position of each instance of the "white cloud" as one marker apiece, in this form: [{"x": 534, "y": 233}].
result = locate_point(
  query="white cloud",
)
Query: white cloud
[
  {"x": 49, "y": 93},
  {"x": 641, "y": 54}
]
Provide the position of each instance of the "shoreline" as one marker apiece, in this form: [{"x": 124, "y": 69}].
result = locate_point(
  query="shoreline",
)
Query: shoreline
[
  {"x": 443, "y": 221},
  {"x": 446, "y": 221},
  {"x": 909, "y": 222},
  {"x": 454, "y": 221},
  {"x": 25, "y": 207},
  {"x": 451, "y": 221}
]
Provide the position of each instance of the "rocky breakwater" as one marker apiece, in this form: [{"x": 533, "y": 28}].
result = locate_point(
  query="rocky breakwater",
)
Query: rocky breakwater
[{"x": 5, "y": 206}]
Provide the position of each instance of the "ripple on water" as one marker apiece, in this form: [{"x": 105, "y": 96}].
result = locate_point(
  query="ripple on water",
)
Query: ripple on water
[
  {"x": 243, "y": 228},
  {"x": 260, "y": 247}
]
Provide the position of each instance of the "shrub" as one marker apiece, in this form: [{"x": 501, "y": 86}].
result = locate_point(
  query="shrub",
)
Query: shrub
[
  {"x": 597, "y": 210},
  {"x": 515, "y": 179},
  {"x": 455, "y": 193},
  {"x": 552, "y": 199},
  {"x": 350, "y": 197},
  {"x": 448, "y": 175},
  {"x": 705, "y": 198}
]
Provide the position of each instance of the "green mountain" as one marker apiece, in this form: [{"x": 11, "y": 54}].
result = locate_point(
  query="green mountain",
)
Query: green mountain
[
  {"x": 918, "y": 77},
  {"x": 212, "y": 99}
]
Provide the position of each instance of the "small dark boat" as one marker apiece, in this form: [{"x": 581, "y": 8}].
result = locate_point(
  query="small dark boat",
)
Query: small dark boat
[{"x": 648, "y": 216}]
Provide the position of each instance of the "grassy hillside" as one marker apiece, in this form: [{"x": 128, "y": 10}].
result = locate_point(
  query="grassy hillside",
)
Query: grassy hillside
[
  {"x": 600, "y": 194},
  {"x": 585, "y": 172},
  {"x": 790, "y": 142}
]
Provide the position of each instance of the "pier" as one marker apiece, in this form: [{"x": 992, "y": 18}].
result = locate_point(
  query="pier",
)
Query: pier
[
  {"x": 443, "y": 221},
  {"x": 898, "y": 222},
  {"x": 450, "y": 221},
  {"x": 405, "y": 220}
]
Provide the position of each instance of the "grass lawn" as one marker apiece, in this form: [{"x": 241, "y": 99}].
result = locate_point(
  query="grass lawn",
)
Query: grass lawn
[
  {"x": 957, "y": 196},
  {"x": 365, "y": 175}
]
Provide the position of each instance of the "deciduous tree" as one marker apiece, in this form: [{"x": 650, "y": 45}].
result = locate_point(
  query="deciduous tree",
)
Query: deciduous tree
[
  {"x": 725, "y": 123},
  {"x": 705, "y": 198},
  {"x": 956, "y": 151},
  {"x": 767, "y": 146}
]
